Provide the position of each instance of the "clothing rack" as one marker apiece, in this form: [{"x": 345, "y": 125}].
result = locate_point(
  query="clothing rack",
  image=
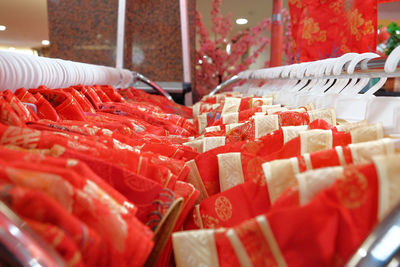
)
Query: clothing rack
[
  {"x": 19, "y": 70},
  {"x": 365, "y": 65},
  {"x": 381, "y": 247}
]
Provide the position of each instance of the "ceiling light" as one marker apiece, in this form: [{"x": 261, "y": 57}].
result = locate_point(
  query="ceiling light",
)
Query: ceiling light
[
  {"x": 3, "y": 28},
  {"x": 11, "y": 48},
  {"x": 45, "y": 42},
  {"x": 241, "y": 21},
  {"x": 228, "y": 48}
]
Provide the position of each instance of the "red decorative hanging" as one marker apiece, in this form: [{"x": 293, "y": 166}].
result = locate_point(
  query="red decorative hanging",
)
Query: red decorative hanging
[{"x": 324, "y": 29}]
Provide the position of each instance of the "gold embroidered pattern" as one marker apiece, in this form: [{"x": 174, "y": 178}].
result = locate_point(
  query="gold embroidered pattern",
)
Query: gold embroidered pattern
[
  {"x": 223, "y": 208},
  {"x": 297, "y": 3},
  {"x": 210, "y": 221},
  {"x": 24, "y": 137},
  {"x": 351, "y": 188},
  {"x": 312, "y": 32},
  {"x": 336, "y": 6},
  {"x": 258, "y": 249},
  {"x": 255, "y": 171},
  {"x": 358, "y": 26}
]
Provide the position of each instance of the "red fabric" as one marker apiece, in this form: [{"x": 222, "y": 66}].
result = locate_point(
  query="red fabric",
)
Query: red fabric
[
  {"x": 109, "y": 165},
  {"x": 113, "y": 94},
  {"x": 207, "y": 163},
  {"x": 231, "y": 207},
  {"x": 171, "y": 122},
  {"x": 323, "y": 29},
  {"x": 23, "y": 112},
  {"x": 81, "y": 99},
  {"x": 102, "y": 147},
  {"x": 39, "y": 208},
  {"x": 102, "y": 95},
  {"x": 226, "y": 254},
  {"x": 120, "y": 230},
  {"x": 45, "y": 109},
  {"x": 90, "y": 94},
  {"x": 246, "y": 131},
  {"x": 189, "y": 194},
  {"x": 243, "y": 116},
  {"x": 324, "y": 232},
  {"x": 65, "y": 105},
  {"x": 334, "y": 224},
  {"x": 252, "y": 161},
  {"x": 61, "y": 242},
  {"x": 8, "y": 116},
  {"x": 160, "y": 101}
]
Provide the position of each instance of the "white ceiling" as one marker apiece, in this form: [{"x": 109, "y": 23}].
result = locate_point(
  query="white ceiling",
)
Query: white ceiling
[{"x": 26, "y": 22}]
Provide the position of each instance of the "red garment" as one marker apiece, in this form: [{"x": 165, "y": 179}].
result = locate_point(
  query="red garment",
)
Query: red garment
[
  {"x": 325, "y": 231},
  {"x": 37, "y": 207},
  {"x": 44, "y": 109},
  {"x": 333, "y": 224},
  {"x": 102, "y": 95},
  {"x": 8, "y": 116},
  {"x": 90, "y": 94},
  {"x": 81, "y": 99},
  {"x": 324, "y": 29},
  {"x": 190, "y": 195},
  {"x": 247, "y": 131},
  {"x": 23, "y": 112},
  {"x": 65, "y": 105},
  {"x": 207, "y": 163},
  {"x": 160, "y": 101},
  {"x": 112, "y": 93},
  {"x": 230, "y": 207},
  {"x": 61, "y": 242},
  {"x": 38, "y": 157},
  {"x": 110, "y": 169},
  {"x": 252, "y": 171},
  {"x": 119, "y": 229},
  {"x": 173, "y": 123}
]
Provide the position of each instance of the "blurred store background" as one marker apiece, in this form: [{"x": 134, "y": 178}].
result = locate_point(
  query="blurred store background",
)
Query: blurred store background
[{"x": 222, "y": 37}]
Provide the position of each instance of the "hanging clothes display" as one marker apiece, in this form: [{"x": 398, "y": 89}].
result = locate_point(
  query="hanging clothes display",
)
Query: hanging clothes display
[
  {"x": 312, "y": 193},
  {"x": 101, "y": 163},
  {"x": 119, "y": 177}
]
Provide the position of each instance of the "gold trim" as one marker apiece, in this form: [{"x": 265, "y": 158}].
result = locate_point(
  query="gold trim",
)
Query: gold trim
[
  {"x": 269, "y": 237},
  {"x": 388, "y": 169},
  {"x": 307, "y": 160},
  {"x": 75, "y": 259},
  {"x": 230, "y": 170},
  {"x": 239, "y": 249},
  {"x": 339, "y": 152},
  {"x": 195, "y": 248},
  {"x": 195, "y": 179}
]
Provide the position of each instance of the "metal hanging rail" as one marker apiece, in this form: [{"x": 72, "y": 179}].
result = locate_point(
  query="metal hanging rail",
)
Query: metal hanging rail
[{"x": 139, "y": 77}]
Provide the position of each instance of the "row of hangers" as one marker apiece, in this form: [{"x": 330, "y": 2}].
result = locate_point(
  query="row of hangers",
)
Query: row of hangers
[
  {"x": 29, "y": 71},
  {"x": 341, "y": 83}
]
